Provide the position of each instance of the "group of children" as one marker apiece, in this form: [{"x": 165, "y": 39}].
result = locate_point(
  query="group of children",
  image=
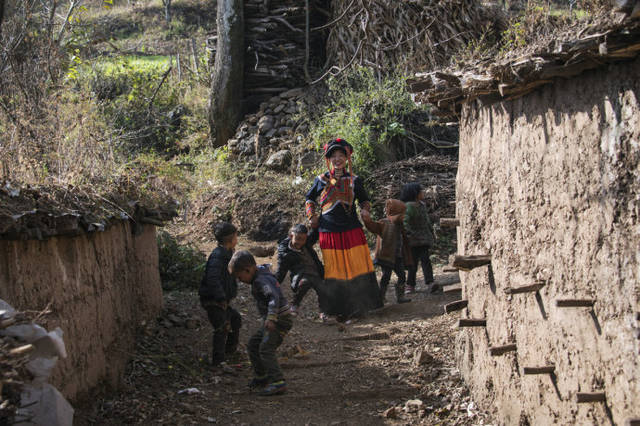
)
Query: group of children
[{"x": 404, "y": 239}]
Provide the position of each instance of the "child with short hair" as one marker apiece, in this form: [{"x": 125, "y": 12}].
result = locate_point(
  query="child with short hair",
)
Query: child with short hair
[
  {"x": 392, "y": 250},
  {"x": 297, "y": 256},
  {"x": 277, "y": 321},
  {"x": 420, "y": 234},
  {"x": 217, "y": 289}
]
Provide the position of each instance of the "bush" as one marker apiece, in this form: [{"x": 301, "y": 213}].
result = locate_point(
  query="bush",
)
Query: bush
[
  {"x": 181, "y": 265},
  {"x": 369, "y": 113},
  {"x": 145, "y": 115}
]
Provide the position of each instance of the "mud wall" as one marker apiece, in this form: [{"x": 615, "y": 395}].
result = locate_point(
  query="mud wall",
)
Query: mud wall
[
  {"x": 549, "y": 186},
  {"x": 101, "y": 287}
]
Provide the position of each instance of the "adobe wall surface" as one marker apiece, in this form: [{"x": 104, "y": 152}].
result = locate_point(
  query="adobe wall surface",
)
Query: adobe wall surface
[
  {"x": 549, "y": 186},
  {"x": 101, "y": 286}
]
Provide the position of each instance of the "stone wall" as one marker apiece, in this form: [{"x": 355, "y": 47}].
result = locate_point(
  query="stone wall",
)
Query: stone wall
[
  {"x": 549, "y": 186},
  {"x": 101, "y": 286}
]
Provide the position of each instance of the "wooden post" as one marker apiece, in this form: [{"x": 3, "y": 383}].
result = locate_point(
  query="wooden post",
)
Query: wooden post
[
  {"x": 179, "y": 67},
  {"x": 525, "y": 289},
  {"x": 584, "y": 397},
  {"x": 575, "y": 303},
  {"x": 466, "y": 263},
  {"x": 449, "y": 222},
  {"x": 194, "y": 53},
  {"x": 501, "y": 350},
  {"x": 472, "y": 322},
  {"x": 547, "y": 369},
  {"x": 455, "y": 306},
  {"x": 450, "y": 288}
]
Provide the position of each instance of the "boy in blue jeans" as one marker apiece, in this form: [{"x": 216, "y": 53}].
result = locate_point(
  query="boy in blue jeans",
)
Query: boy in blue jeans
[{"x": 277, "y": 321}]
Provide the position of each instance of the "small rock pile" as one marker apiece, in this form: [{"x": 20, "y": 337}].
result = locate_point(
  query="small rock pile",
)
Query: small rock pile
[{"x": 272, "y": 135}]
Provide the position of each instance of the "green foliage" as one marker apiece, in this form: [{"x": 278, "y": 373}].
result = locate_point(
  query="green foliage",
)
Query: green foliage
[
  {"x": 181, "y": 265},
  {"x": 147, "y": 115},
  {"x": 368, "y": 113}
]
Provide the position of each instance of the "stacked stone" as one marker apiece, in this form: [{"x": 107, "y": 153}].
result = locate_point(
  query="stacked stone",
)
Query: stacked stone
[{"x": 271, "y": 136}]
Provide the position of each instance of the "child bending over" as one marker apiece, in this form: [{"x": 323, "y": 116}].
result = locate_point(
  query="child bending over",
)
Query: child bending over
[
  {"x": 297, "y": 256},
  {"x": 277, "y": 321}
]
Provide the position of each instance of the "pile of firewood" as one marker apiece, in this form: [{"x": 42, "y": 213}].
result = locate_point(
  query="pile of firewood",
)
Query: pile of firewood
[
  {"x": 417, "y": 35},
  {"x": 13, "y": 374},
  {"x": 275, "y": 37},
  {"x": 435, "y": 173}
]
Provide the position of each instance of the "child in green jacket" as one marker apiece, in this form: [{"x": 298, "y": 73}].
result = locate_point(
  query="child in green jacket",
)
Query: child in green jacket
[{"x": 420, "y": 234}]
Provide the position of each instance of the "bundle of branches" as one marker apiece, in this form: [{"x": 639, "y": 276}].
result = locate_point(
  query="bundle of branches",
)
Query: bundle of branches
[
  {"x": 42, "y": 211},
  {"x": 14, "y": 355},
  {"x": 417, "y": 35},
  {"x": 435, "y": 173},
  {"x": 565, "y": 54},
  {"x": 276, "y": 39}
]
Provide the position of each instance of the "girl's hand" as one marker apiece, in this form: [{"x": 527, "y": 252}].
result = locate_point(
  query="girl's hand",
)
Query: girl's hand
[
  {"x": 366, "y": 216},
  {"x": 315, "y": 221},
  {"x": 270, "y": 325}
]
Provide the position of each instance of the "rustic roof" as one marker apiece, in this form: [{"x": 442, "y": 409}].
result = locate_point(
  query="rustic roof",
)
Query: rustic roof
[
  {"x": 43, "y": 211},
  {"x": 565, "y": 56}
]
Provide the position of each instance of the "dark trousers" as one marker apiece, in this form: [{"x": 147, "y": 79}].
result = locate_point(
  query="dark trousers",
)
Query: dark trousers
[
  {"x": 226, "y": 330},
  {"x": 420, "y": 255},
  {"x": 303, "y": 285},
  {"x": 398, "y": 268},
  {"x": 262, "y": 349}
]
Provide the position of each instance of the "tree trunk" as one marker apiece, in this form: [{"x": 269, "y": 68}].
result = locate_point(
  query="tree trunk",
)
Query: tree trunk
[
  {"x": 225, "y": 101},
  {"x": 1, "y": 14},
  {"x": 167, "y": 10}
]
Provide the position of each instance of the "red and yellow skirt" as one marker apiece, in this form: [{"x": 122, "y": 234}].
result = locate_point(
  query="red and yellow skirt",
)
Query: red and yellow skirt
[{"x": 351, "y": 287}]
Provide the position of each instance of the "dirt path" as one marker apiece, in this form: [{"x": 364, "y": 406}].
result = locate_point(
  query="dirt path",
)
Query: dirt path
[{"x": 336, "y": 373}]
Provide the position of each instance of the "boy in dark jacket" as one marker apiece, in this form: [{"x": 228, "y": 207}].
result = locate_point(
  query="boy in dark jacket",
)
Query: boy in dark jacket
[
  {"x": 277, "y": 321},
  {"x": 217, "y": 289},
  {"x": 392, "y": 250},
  {"x": 297, "y": 256}
]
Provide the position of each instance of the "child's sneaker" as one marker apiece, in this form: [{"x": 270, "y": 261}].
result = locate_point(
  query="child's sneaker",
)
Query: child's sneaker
[
  {"x": 410, "y": 289},
  {"x": 258, "y": 382},
  {"x": 224, "y": 368},
  {"x": 324, "y": 317},
  {"x": 294, "y": 310},
  {"x": 275, "y": 388}
]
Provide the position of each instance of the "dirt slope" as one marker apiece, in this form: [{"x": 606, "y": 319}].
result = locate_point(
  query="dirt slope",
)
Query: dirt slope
[{"x": 337, "y": 374}]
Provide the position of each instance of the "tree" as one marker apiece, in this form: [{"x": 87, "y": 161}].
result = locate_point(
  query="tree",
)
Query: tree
[
  {"x": 225, "y": 100},
  {"x": 167, "y": 10}
]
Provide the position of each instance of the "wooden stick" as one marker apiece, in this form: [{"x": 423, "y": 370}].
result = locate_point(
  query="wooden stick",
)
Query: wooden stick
[
  {"x": 583, "y": 397},
  {"x": 450, "y": 288},
  {"x": 525, "y": 289},
  {"x": 452, "y": 269},
  {"x": 449, "y": 222},
  {"x": 472, "y": 322},
  {"x": 574, "y": 303},
  {"x": 632, "y": 422},
  {"x": 455, "y": 306},
  {"x": 21, "y": 350},
  {"x": 466, "y": 263},
  {"x": 6, "y": 323},
  {"x": 547, "y": 369},
  {"x": 501, "y": 350},
  {"x": 152, "y": 221}
]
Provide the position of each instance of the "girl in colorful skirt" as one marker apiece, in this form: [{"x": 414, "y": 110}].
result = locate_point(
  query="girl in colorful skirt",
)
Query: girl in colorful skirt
[{"x": 350, "y": 281}]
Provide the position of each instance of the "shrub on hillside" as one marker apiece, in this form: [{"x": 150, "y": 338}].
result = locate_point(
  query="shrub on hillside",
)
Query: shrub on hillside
[
  {"x": 181, "y": 265},
  {"x": 369, "y": 113}
]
